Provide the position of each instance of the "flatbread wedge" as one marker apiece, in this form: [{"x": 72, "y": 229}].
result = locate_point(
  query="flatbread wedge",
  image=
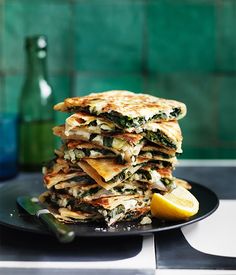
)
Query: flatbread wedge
[
  {"x": 75, "y": 177},
  {"x": 65, "y": 214},
  {"x": 157, "y": 152},
  {"x": 127, "y": 145},
  {"x": 107, "y": 172},
  {"x": 167, "y": 134},
  {"x": 93, "y": 124},
  {"x": 60, "y": 171},
  {"x": 74, "y": 150},
  {"x": 125, "y": 109},
  {"x": 88, "y": 192},
  {"x": 122, "y": 208},
  {"x": 111, "y": 209},
  {"x": 157, "y": 178}
]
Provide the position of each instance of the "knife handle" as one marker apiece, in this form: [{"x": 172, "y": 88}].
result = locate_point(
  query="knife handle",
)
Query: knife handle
[{"x": 63, "y": 233}]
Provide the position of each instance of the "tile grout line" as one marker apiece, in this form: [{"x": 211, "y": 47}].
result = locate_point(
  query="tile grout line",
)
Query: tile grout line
[{"x": 114, "y": 73}]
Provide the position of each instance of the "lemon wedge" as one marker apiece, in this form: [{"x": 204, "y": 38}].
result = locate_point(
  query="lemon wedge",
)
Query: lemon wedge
[{"x": 179, "y": 204}]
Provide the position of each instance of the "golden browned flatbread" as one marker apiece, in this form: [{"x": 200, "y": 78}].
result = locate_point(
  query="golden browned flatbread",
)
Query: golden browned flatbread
[{"x": 124, "y": 108}]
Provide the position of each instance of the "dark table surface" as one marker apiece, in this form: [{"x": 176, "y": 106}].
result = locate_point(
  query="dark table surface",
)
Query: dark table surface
[
  {"x": 220, "y": 179},
  {"x": 17, "y": 245}
]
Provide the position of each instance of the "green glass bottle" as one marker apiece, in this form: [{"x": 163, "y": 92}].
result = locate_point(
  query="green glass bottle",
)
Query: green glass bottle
[{"x": 36, "y": 108}]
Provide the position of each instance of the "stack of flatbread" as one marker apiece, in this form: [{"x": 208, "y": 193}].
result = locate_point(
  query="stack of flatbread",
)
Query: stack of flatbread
[{"x": 118, "y": 148}]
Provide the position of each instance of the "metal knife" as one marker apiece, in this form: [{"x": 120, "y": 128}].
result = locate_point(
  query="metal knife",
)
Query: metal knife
[{"x": 31, "y": 205}]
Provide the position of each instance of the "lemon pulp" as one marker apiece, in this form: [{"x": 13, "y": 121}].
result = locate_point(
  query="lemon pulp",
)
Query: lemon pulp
[{"x": 178, "y": 204}]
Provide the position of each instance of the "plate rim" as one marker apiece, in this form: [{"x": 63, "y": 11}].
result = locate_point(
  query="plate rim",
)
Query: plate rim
[{"x": 114, "y": 233}]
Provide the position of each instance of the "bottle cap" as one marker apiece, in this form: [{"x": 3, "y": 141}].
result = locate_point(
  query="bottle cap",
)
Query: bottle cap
[{"x": 36, "y": 42}]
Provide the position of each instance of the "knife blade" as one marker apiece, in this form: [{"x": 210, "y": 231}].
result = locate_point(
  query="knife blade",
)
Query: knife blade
[{"x": 32, "y": 206}]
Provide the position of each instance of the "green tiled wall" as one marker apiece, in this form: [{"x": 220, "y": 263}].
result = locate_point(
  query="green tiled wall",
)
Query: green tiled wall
[
  {"x": 226, "y": 34},
  {"x": 25, "y": 17},
  {"x": 182, "y": 49},
  {"x": 180, "y": 36},
  {"x": 109, "y": 34},
  {"x": 100, "y": 82}
]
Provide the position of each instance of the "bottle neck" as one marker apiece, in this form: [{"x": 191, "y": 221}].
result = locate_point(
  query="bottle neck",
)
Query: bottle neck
[{"x": 36, "y": 64}]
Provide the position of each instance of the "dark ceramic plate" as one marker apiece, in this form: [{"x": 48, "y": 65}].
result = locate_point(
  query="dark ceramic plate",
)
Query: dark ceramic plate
[{"x": 12, "y": 216}]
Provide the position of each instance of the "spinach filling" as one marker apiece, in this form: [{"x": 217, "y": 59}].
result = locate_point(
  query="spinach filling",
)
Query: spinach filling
[
  {"x": 169, "y": 183},
  {"x": 76, "y": 205},
  {"x": 175, "y": 113},
  {"x": 164, "y": 155},
  {"x": 116, "y": 211},
  {"x": 81, "y": 179},
  {"x": 120, "y": 159},
  {"x": 75, "y": 180},
  {"x": 92, "y": 136},
  {"x": 79, "y": 109},
  {"x": 86, "y": 152},
  {"x": 104, "y": 151},
  {"x": 132, "y": 215},
  {"x": 93, "y": 123},
  {"x": 160, "y": 116},
  {"x": 121, "y": 176},
  {"x": 124, "y": 190},
  {"x": 98, "y": 209},
  {"x": 157, "y": 153},
  {"x": 144, "y": 174},
  {"x": 90, "y": 192},
  {"x": 107, "y": 141},
  {"x": 50, "y": 201},
  {"x": 166, "y": 181},
  {"x": 159, "y": 137},
  {"x": 125, "y": 121},
  {"x": 162, "y": 163},
  {"x": 106, "y": 213},
  {"x": 135, "y": 215},
  {"x": 128, "y": 122}
]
